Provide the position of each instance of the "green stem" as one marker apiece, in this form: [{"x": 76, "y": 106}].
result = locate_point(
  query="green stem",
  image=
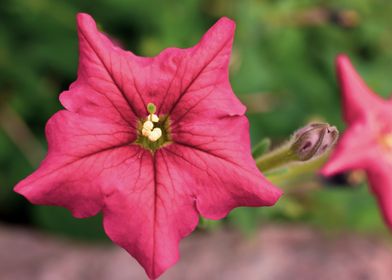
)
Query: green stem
[
  {"x": 297, "y": 171},
  {"x": 276, "y": 158}
]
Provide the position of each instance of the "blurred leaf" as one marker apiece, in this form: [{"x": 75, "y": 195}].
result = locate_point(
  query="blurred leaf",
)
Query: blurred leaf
[
  {"x": 60, "y": 221},
  {"x": 261, "y": 148}
]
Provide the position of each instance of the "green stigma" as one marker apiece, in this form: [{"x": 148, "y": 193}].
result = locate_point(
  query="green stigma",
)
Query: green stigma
[{"x": 151, "y": 108}]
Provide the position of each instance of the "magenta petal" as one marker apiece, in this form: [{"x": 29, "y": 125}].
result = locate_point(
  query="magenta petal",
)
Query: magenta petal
[
  {"x": 221, "y": 184},
  {"x": 220, "y": 155},
  {"x": 106, "y": 85},
  {"x": 199, "y": 72},
  {"x": 380, "y": 179},
  {"x": 350, "y": 154},
  {"x": 150, "y": 218},
  {"x": 358, "y": 100},
  {"x": 81, "y": 151}
]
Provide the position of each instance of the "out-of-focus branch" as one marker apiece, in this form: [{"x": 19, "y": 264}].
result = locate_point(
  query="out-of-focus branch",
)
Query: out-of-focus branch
[
  {"x": 18, "y": 131},
  {"x": 259, "y": 102}
]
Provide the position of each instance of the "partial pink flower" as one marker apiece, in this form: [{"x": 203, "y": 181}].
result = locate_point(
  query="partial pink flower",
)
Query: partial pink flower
[
  {"x": 151, "y": 142},
  {"x": 367, "y": 142}
]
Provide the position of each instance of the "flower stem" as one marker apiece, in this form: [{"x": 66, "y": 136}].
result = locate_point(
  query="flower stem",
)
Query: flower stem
[
  {"x": 295, "y": 172},
  {"x": 276, "y": 158}
]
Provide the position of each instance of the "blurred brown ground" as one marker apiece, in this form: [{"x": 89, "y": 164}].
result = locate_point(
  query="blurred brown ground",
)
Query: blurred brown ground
[{"x": 273, "y": 253}]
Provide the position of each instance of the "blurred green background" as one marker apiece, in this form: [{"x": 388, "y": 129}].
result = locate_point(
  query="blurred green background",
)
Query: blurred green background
[{"x": 282, "y": 69}]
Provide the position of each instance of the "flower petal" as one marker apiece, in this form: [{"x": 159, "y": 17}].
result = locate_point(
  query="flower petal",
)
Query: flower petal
[
  {"x": 106, "y": 84},
  {"x": 379, "y": 175},
  {"x": 200, "y": 72},
  {"x": 82, "y": 150},
  {"x": 222, "y": 184},
  {"x": 353, "y": 151},
  {"x": 358, "y": 99},
  {"x": 155, "y": 213}
]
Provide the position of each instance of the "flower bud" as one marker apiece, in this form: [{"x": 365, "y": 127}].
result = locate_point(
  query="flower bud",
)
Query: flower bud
[{"x": 313, "y": 140}]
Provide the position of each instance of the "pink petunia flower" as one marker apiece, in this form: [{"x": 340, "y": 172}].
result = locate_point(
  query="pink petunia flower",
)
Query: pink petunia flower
[
  {"x": 367, "y": 142},
  {"x": 151, "y": 142}
]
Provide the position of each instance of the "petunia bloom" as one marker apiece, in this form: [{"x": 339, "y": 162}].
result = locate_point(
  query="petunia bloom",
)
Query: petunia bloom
[
  {"x": 151, "y": 142},
  {"x": 367, "y": 142}
]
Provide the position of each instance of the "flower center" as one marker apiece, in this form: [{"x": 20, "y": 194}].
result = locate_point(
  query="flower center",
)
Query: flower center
[
  {"x": 386, "y": 141},
  {"x": 153, "y": 131}
]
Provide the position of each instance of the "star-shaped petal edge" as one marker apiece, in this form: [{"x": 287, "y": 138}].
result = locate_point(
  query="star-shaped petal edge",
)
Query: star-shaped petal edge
[{"x": 150, "y": 201}]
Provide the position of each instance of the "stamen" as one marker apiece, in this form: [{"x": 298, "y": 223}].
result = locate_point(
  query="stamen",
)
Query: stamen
[
  {"x": 148, "y": 130},
  {"x": 153, "y": 130},
  {"x": 153, "y": 118},
  {"x": 155, "y": 134},
  {"x": 148, "y": 125}
]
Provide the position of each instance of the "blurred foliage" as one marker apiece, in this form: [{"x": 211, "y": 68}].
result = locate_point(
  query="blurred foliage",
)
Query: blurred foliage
[{"x": 282, "y": 69}]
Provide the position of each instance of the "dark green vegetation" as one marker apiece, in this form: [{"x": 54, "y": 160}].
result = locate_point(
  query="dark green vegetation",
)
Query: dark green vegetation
[{"x": 282, "y": 69}]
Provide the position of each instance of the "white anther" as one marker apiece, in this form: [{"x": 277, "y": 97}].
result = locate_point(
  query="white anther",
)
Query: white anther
[
  {"x": 155, "y": 134},
  {"x": 146, "y": 132},
  {"x": 148, "y": 125},
  {"x": 153, "y": 118}
]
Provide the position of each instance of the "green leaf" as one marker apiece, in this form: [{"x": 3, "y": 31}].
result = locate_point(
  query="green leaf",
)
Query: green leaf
[
  {"x": 209, "y": 225},
  {"x": 261, "y": 148}
]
